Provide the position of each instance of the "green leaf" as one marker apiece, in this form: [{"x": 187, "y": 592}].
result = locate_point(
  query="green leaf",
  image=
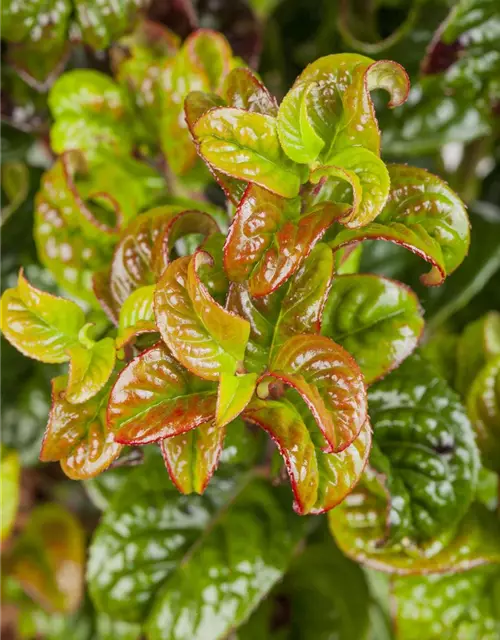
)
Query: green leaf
[
  {"x": 15, "y": 186},
  {"x": 243, "y": 90},
  {"x": 90, "y": 114},
  {"x": 136, "y": 315},
  {"x": 424, "y": 470},
  {"x": 270, "y": 237},
  {"x": 456, "y": 606},
  {"x": 192, "y": 457},
  {"x": 479, "y": 343},
  {"x": 319, "y": 480},
  {"x": 143, "y": 251},
  {"x": 293, "y": 309},
  {"x": 369, "y": 181},
  {"x": 202, "y": 335},
  {"x": 10, "y": 474},
  {"x": 38, "y": 324},
  {"x": 329, "y": 381},
  {"x": 102, "y": 22},
  {"x": 77, "y": 435},
  {"x": 423, "y": 215},
  {"x": 154, "y": 398},
  {"x": 378, "y": 321},
  {"x": 234, "y": 393},
  {"x": 321, "y": 605},
  {"x": 246, "y": 146},
  {"x": 90, "y": 368},
  {"x": 48, "y": 558},
  {"x": 181, "y": 609},
  {"x": 483, "y": 406}
]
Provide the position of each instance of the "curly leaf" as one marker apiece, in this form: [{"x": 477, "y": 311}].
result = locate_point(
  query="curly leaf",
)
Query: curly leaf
[
  {"x": 90, "y": 368},
  {"x": 243, "y": 90},
  {"x": 479, "y": 343},
  {"x": 143, "y": 252},
  {"x": 38, "y": 324},
  {"x": 329, "y": 108},
  {"x": 137, "y": 315},
  {"x": 422, "y": 214},
  {"x": 319, "y": 480},
  {"x": 424, "y": 470},
  {"x": 270, "y": 237},
  {"x": 204, "y": 337},
  {"x": 192, "y": 457},
  {"x": 10, "y": 475},
  {"x": 456, "y": 606},
  {"x": 483, "y": 405},
  {"x": 379, "y": 321},
  {"x": 368, "y": 179},
  {"x": 329, "y": 381},
  {"x": 293, "y": 309},
  {"x": 154, "y": 398},
  {"x": 77, "y": 435},
  {"x": 48, "y": 559},
  {"x": 246, "y": 146}
]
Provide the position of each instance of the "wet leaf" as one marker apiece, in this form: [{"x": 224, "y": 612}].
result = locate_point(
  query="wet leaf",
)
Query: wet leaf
[
  {"x": 319, "y": 480},
  {"x": 295, "y": 308},
  {"x": 192, "y": 457},
  {"x": 155, "y": 398},
  {"x": 10, "y": 473},
  {"x": 90, "y": 368},
  {"x": 102, "y": 22},
  {"x": 423, "y": 215},
  {"x": 378, "y": 321},
  {"x": 483, "y": 406},
  {"x": 38, "y": 324},
  {"x": 246, "y": 146},
  {"x": 137, "y": 315},
  {"x": 270, "y": 237},
  {"x": 202, "y": 335},
  {"x": 329, "y": 381},
  {"x": 243, "y": 90},
  {"x": 424, "y": 470},
  {"x": 459, "y": 606},
  {"x": 48, "y": 559},
  {"x": 234, "y": 393},
  {"x": 77, "y": 435}
]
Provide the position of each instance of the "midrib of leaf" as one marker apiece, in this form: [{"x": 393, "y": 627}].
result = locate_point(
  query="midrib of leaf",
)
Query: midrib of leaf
[{"x": 169, "y": 399}]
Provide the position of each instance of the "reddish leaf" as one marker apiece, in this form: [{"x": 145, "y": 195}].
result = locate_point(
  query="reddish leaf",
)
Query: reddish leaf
[
  {"x": 156, "y": 398},
  {"x": 269, "y": 238},
  {"x": 77, "y": 435},
  {"x": 319, "y": 480},
  {"x": 243, "y": 90},
  {"x": 330, "y": 382},
  {"x": 202, "y": 335},
  {"x": 191, "y": 458}
]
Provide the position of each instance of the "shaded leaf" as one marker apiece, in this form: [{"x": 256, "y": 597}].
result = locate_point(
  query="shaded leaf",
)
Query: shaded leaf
[
  {"x": 77, "y": 435},
  {"x": 10, "y": 473},
  {"x": 378, "y": 321},
  {"x": 154, "y": 398},
  {"x": 202, "y": 335},
  {"x": 234, "y": 393},
  {"x": 479, "y": 343},
  {"x": 103, "y": 22},
  {"x": 48, "y": 558}
]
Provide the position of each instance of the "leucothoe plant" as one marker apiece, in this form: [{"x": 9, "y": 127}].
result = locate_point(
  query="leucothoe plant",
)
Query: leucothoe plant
[{"x": 254, "y": 313}]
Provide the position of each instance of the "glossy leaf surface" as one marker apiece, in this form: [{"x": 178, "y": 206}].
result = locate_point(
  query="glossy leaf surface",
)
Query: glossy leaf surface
[
  {"x": 423, "y": 215},
  {"x": 329, "y": 381},
  {"x": 243, "y": 90},
  {"x": 155, "y": 398},
  {"x": 246, "y": 146},
  {"x": 204, "y": 337},
  {"x": 378, "y": 321},
  {"x": 137, "y": 315},
  {"x": 270, "y": 237},
  {"x": 319, "y": 480},
  {"x": 234, "y": 393},
  {"x": 192, "y": 457},
  {"x": 90, "y": 368},
  {"x": 483, "y": 405},
  {"x": 48, "y": 558},
  {"x": 38, "y": 324},
  {"x": 77, "y": 434}
]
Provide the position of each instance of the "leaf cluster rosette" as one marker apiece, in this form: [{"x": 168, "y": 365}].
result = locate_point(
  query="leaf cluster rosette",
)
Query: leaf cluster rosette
[{"x": 199, "y": 329}]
